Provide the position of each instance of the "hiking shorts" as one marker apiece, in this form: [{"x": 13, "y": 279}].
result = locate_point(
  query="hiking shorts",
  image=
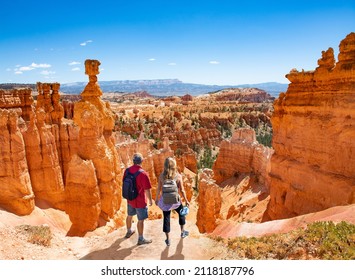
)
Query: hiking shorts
[{"x": 142, "y": 213}]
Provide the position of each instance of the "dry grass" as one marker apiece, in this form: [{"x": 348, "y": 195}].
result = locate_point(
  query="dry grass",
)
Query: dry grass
[
  {"x": 40, "y": 235},
  {"x": 320, "y": 240}
]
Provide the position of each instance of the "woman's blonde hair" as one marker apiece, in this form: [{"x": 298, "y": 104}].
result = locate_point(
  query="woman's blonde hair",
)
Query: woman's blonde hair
[{"x": 169, "y": 168}]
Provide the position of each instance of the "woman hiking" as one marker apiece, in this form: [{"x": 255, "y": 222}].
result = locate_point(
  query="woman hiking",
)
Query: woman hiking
[{"x": 170, "y": 186}]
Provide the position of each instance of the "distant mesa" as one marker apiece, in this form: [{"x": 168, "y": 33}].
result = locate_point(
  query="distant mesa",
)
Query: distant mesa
[
  {"x": 159, "y": 87},
  {"x": 169, "y": 87}
]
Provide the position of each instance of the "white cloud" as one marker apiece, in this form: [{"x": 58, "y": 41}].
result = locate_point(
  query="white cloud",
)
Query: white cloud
[
  {"x": 20, "y": 69},
  {"x": 46, "y": 72},
  {"x": 214, "y": 62},
  {"x": 85, "y": 43},
  {"x": 152, "y": 59},
  {"x": 73, "y": 63},
  {"x": 76, "y": 69},
  {"x": 42, "y": 65},
  {"x": 26, "y": 68},
  {"x": 172, "y": 64}
]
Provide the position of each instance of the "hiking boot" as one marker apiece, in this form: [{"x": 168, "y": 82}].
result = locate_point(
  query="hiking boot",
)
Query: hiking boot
[
  {"x": 144, "y": 241},
  {"x": 184, "y": 234},
  {"x": 129, "y": 233},
  {"x": 167, "y": 242}
]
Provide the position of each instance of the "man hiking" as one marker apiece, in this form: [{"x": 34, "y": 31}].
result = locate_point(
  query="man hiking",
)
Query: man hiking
[{"x": 138, "y": 206}]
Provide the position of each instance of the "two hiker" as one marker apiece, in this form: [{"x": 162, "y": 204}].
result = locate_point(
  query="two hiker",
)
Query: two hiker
[{"x": 136, "y": 176}]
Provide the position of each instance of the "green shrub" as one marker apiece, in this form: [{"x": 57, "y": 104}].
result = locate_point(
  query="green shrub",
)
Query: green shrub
[
  {"x": 265, "y": 139},
  {"x": 333, "y": 241},
  {"x": 207, "y": 159}
]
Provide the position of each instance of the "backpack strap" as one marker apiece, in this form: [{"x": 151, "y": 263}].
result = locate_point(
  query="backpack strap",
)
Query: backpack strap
[
  {"x": 176, "y": 180},
  {"x": 126, "y": 171},
  {"x": 137, "y": 173}
]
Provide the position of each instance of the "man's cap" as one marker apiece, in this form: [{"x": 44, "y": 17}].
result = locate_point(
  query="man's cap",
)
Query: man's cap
[{"x": 137, "y": 158}]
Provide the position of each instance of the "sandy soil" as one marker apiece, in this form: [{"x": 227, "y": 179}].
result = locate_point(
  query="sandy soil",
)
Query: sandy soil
[
  {"x": 105, "y": 245},
  {"x": 102, "y": 245}
]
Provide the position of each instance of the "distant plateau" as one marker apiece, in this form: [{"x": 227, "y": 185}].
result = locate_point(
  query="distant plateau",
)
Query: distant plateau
[{"x": 160, "y": 87}]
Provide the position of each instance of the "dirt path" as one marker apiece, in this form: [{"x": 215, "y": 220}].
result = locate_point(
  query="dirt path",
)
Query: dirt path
[
  {"x": 194, "y": 247},
  {"x": 113, "y": 246},
  {"x": 103, "y": 246}
]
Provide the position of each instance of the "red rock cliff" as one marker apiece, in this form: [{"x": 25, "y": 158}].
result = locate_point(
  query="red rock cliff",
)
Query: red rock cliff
[
  {"x": 313, "y": 136},
  {"x": 242, "y": 154}
]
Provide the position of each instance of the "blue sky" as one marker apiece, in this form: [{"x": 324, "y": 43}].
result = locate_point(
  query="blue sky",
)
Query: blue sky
[{"x": 212, "y": 42}]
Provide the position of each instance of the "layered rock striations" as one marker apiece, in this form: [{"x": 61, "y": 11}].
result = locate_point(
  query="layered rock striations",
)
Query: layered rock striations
[
  {"x": 16, "y": 189},
  {"x": 82, "y": 196},
  {"x": 209, "y": 202},
  {"x": 43, "y": 161},
  {"x": 243, "y": 95},
  {"x": 17, "y": 98},
  {"x": 314, "y": 127},
  {"x": 242, "y": 154},
  {"x": 48, "y": 99},
  {"x": 40, "y": 124}
]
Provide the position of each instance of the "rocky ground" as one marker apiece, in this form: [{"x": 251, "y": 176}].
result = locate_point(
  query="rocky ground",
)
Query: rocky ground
[{"x": 102, "y": 245}]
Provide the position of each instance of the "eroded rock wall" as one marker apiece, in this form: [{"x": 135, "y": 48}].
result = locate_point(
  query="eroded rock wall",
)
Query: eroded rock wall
[
  {"x": 17, "y": 98},
  {"x": 313, "y": 136},
  {"x": 242, "y": 154},
  {"x": 83, "y": 199},
  {"x": 15, "y": 183},
  {"x": 209, "y": 202},
  {"x": 95, "y": 121},
  {"x": 43, "y": 161}
]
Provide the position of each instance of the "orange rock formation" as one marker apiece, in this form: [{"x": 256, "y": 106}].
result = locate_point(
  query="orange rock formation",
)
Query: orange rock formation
[
  {"x": 209, "y": 202},
  {"x": 313, "y": 166},
  {"x": 253, "y": 95},
  {"x": 84, "y": 155},
  {"x": 16, "y": 190},
  {"x": 18, "y": 98},
  {"x": 83, "y": 199},
  {"x": 43, "y": 161},
  {"x": 96, "y": 122},
  {"x": 242, "y": 154},
  {"x": 48, "y": 100}
]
